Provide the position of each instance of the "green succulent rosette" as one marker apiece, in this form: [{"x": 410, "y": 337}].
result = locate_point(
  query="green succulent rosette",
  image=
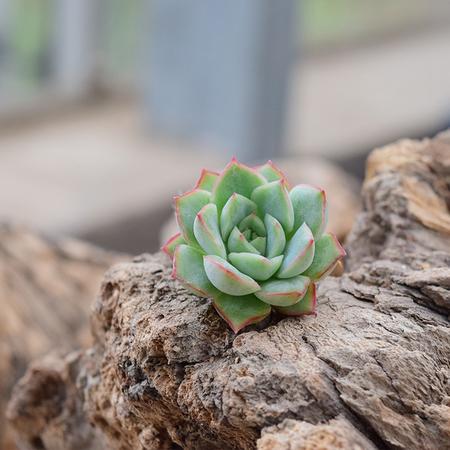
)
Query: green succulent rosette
[{"x": 251, "y": 243}]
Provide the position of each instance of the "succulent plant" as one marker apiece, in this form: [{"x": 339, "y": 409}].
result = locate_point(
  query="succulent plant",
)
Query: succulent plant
[{"x": 252, "y": 244}]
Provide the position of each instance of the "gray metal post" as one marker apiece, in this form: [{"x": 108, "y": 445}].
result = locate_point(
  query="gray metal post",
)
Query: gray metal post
[
  {"x": 75, "y": 43},
  {"x": 218, "y": 72}
]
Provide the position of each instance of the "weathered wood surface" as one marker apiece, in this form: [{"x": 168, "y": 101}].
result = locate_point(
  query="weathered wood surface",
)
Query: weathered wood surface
[
  {"x": 46, "y": 290},
  {"x": 371, "y": 371}
]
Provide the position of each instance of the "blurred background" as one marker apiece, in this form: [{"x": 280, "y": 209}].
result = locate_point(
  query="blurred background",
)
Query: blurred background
[{"x": 108, "y": 108}]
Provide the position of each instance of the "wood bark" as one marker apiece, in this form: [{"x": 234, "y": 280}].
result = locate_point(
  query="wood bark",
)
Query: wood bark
[
  {"x": 46, "y": 289},
  {"x": 370, "y": 371}
]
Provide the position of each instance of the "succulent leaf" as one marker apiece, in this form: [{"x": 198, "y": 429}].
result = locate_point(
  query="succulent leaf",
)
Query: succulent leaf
[
  {"x": 207, "y": 233},
  {"x": 276, "y": 239},
  {"x": 298, "y": 254},
  {"x": 186, "y": 207},
  {"x": 306, "y": 306},
  {"x": 273, "y": 198},
  {"x": 172, "y": 243},
  {"x": 235, "y": 210},
  {"x": 239, "y": 312},
  {"x": 256, "y": 266},
  {"x": 236, "y": 178},
  {"x": 247, "y": 234},
  {"x": 260, "y": 244},
  {"x": 207, "y": 180},
  {"x": 328, "y": 252},
  {"x": 310, "y": 207},
  {"x": 188, "y": 269},
  {"x": 251, "y": 245},
  {"x": 237, "y": 243},
  {"x": 270, "y": 172},
  {"x": 227, "y": 278},
  {"x": 254, "y": 223},
  {"x": 283, "y": 292}
]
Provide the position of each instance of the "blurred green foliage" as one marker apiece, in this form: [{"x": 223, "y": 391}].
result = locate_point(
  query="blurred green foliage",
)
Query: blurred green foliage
[
  {"x": 29, "y": 39},
  {"x": 28, "y": 61},
  {"x": 120, "y": 39},
  {"x": 331, "y": 23}
]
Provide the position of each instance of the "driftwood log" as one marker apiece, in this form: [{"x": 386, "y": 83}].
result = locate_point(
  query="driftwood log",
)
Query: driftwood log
[
  {"x": 46, "y": 290},
  {"x": 371, "y": 371}
]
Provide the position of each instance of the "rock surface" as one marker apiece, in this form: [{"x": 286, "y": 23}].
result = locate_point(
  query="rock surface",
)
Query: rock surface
[{"x": 371, "y": 371}]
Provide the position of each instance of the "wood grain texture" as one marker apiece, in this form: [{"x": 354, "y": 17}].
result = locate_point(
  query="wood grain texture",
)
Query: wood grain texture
[{"x": 370, "y": 371}]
